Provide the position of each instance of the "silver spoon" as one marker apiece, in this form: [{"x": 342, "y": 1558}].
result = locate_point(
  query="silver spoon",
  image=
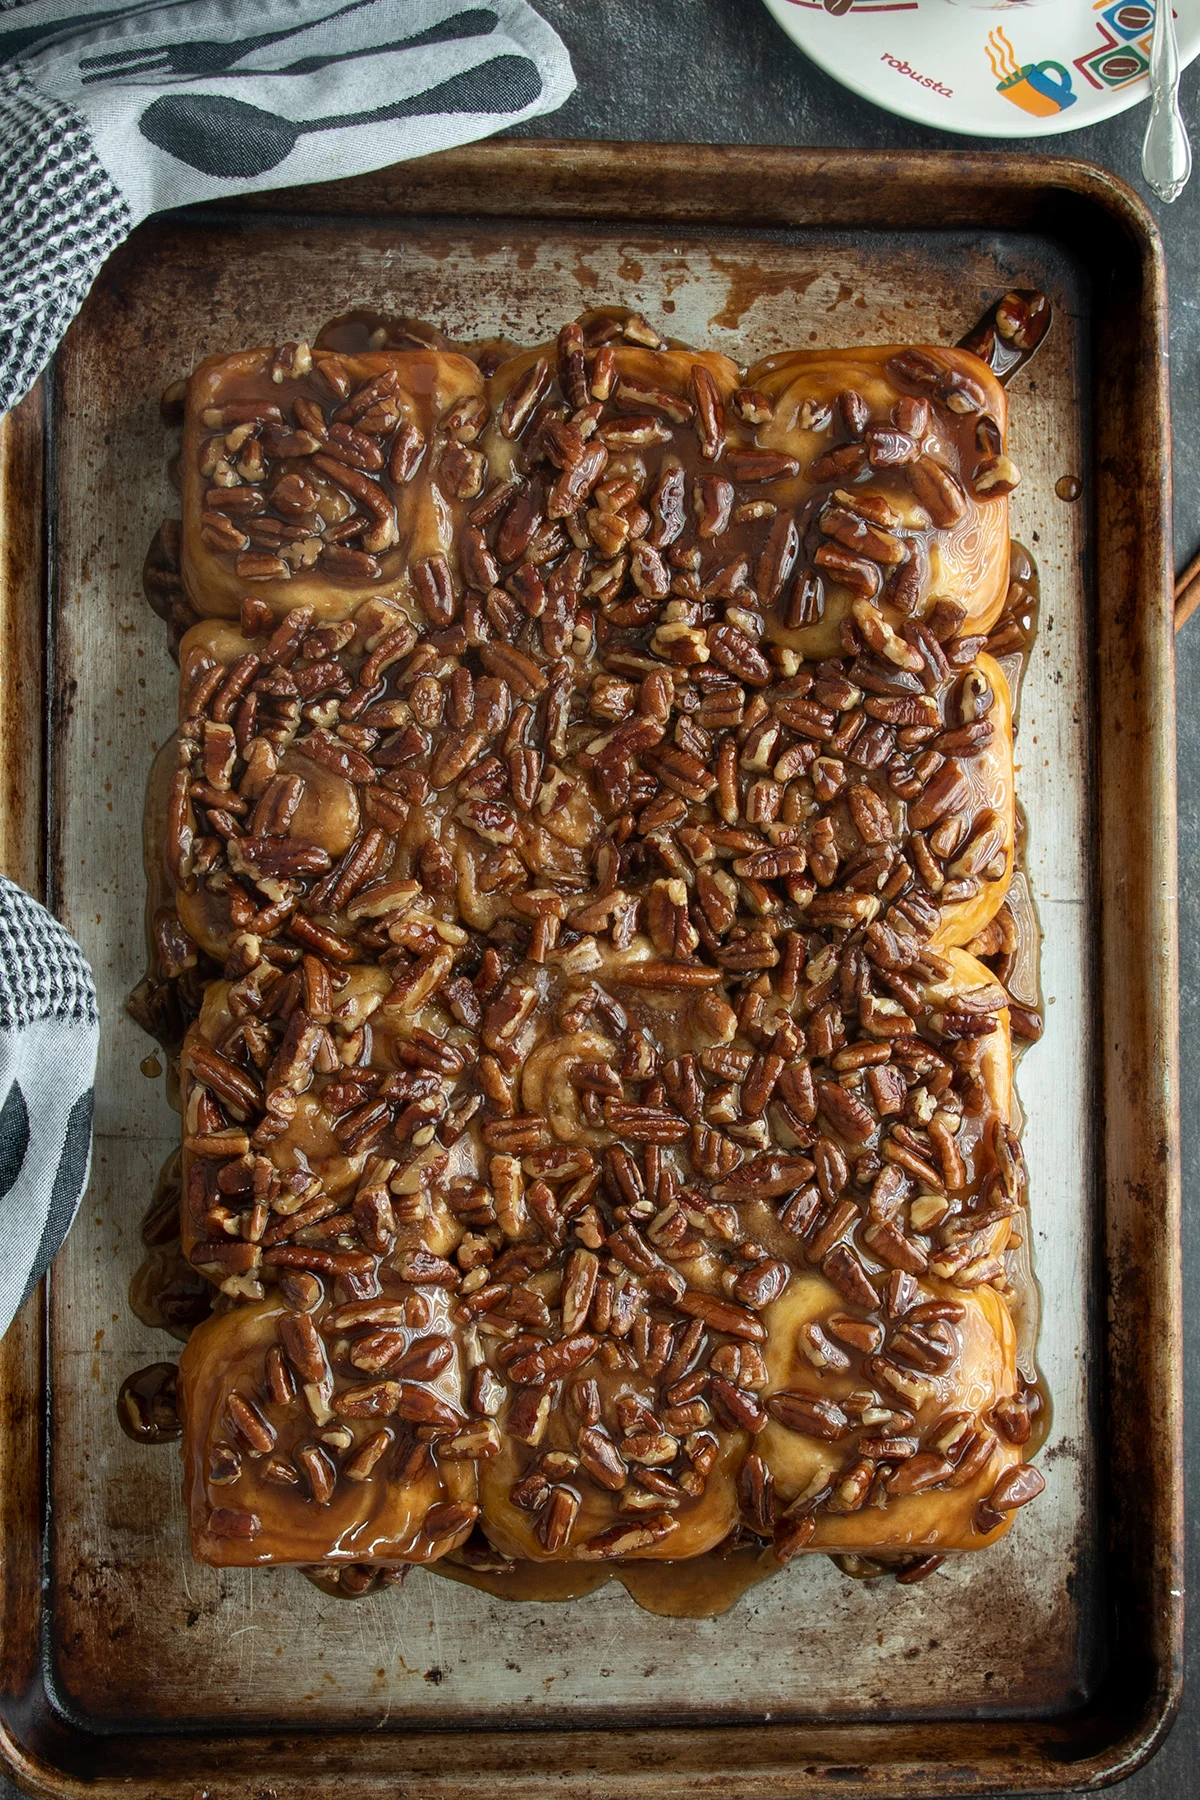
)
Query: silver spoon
[{"x": 1166, "y": 150}]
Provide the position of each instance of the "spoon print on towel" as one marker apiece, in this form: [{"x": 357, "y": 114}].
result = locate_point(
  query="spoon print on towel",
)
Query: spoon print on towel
[{"x": 227, "y": 137}]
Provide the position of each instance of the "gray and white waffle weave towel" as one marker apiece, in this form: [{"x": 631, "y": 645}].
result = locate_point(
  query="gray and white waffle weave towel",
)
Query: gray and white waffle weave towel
[
  {"x": 111, "y": 112},
  {"x": 48, "y": 1039}
]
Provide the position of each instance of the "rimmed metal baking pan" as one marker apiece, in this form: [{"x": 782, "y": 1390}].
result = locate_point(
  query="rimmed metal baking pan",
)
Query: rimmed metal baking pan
[{"x": 1051, "y": 1662}]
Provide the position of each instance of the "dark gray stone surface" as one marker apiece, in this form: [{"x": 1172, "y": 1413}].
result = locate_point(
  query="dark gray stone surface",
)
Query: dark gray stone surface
[{"x": 722, "y": 71}]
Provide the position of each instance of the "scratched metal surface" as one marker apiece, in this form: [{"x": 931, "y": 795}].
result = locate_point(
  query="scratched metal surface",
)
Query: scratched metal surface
[{"x": 138, "y": 1630}]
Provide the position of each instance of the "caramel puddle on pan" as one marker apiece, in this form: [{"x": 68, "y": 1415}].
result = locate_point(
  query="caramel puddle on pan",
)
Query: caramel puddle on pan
[{"x": 701, "y": 1588}]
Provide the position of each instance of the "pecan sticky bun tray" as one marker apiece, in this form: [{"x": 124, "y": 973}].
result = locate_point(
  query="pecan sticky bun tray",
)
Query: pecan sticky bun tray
[{"x": 591, "y": 782}]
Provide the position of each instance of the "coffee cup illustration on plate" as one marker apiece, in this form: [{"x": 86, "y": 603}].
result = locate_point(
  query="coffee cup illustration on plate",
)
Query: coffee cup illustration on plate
[{"x": 1041, "y": 88}]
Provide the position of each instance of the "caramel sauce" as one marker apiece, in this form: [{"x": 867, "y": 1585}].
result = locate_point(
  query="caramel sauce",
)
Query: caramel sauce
[
  {"x": 146, "y": 1405},
  {"x": 537, "y": 1583},
  {"x": 1018, "y": 968},
  {"x": 1010, "y": 331},
  {"x": 703, "y": 1587},
  {"x": 363, "y": 331},
  {"x": 354, "y": 1581},
  {"x": 166, "y": 1292},
  {"x": 1019, "y": 620}
]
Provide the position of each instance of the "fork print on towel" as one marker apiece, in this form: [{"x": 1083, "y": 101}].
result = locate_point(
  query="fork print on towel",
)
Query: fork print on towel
[
  {"x": 220, "y": 134},
  {"x": 220, "y": 56}
]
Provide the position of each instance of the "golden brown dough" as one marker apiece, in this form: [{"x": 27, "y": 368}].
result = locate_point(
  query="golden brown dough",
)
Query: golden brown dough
[
  {"x": 652, "y": 390},
  {"x": 594, "y": 1486},
  {"x": 316, "y": 479},
  {"x": 911, "y": 441},
  {"x": 276, "y": 1411},
  {"x": 904, "y": 1449},
  {"x": 304, "y": 1126}
]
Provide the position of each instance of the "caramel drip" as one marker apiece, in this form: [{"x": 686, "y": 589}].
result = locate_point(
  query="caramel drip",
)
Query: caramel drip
[
  {"x": 146, "y": 1405},
  {"x": 1010, "y": 332}
]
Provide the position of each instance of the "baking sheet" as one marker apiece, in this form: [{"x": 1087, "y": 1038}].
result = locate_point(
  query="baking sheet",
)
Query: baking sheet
[{"x": 138, "y": 1631}]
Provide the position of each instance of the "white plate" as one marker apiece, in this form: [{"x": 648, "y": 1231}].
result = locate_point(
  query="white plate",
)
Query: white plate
[{"x": 1015, "y": 71}]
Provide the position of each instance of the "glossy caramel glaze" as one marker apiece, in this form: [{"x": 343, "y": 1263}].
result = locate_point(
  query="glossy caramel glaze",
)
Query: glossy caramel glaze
[{"x": 599, "y": 1141}]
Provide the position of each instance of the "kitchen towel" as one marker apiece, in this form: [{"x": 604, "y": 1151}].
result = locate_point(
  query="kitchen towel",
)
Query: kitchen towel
[
  {"x": 48, "y": 1039},
  {"x": 109, "y": 113}
]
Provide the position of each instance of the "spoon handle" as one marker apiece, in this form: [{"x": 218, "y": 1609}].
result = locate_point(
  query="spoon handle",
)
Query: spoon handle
[{"x": 1166, "y": 149}]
